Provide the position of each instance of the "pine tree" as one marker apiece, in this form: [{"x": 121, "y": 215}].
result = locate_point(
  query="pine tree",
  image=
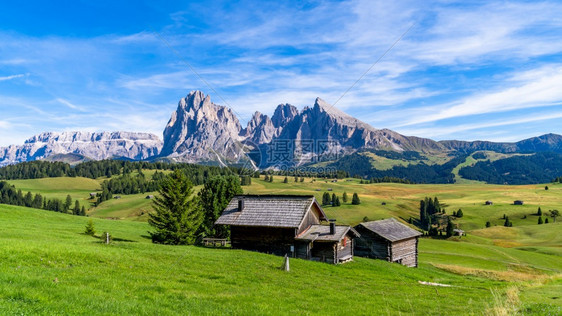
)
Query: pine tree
[
  {"x": 67, "y": 203},
  {"x": 213, "y": 199},
  {"x": 333, "y": 199},
  {"x": 546, "y": 220},
  {"x": 459, "y": 213},
  {"x": 338, "y": 201},
  {"x": 286, "y": 180},
  {"x": 355, "y": 199},
  {"x": 344, "y": 198},
  {"x": 450, "y": 228},
  {"x": 90, "y": 229},
  {"x": 83, "y": 211},
  {"x": 488, "y": 224},
  {"x": 271, "y": 178},
  {"x": 507, "y": 223},
  {"x": 266, "y": 178},
  {"x": 177, "y": 216},
  {"x": 540, "y": 220},
  {"x": 539, "y": 212},
  {"x": 326, "y": 198},
  {"x": 76, "y": 210}
]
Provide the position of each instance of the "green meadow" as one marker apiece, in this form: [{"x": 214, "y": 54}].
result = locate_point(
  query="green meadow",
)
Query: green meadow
[{"x": 49, "y": 266}]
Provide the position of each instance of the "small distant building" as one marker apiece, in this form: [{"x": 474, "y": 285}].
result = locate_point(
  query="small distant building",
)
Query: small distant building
[
  {"x": 330, "y": 189},
  {"x": 287, "y": 225},
  {"x": 383, "y": 203},
  {"x": 149, "y": 197},
  {"x": 458, "y": 232},
  {"x": 489, "y": 203},
  {"x": 518, "y": 202},
  {"x": 117, "y": 197},
  {"x": 93, "y": 195},
  {"x": 388, "y": 240}
]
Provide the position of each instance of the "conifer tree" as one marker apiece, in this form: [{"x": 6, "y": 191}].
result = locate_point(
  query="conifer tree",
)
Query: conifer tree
[
  {"x": 177, "y": 215},
  {"x": 344, "y": 198},
  {"x": 83, "y": 211},
  {"x": 90, "y": 229},
  {"x": 540, "y": 220},
  {"x": 546, "y": 220},
  {"x": 488, "y": 224},
  {"x": 450, "y": 229},
  {"x": 67, "y": 203},
  {"x": 286, "y": 180},
  {"x": 76, "y": 210},
  {"x": 539, "y": 211},
  {"x": 213, "y": 199},
  {"x": 326, "y": 198},
  {"x": 334, "y": 199},
  {"x": 338, "y": 201},
  {"x": 355, "y": 199}
]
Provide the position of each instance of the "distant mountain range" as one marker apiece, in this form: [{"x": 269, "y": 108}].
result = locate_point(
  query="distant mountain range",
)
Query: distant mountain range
[{"x": 200, "y": 131}]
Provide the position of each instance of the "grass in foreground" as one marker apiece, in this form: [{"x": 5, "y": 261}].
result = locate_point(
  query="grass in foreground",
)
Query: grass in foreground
[{"x": 50, "y": 267}]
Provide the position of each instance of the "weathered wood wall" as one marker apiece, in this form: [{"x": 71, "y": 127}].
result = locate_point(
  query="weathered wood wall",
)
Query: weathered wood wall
[
  {"x": 371, "y": 245},
  {"x": 323, "y": 251},
  {"x": 311, "y": 218},
  {"x": 263, "y": 239},
  {"x": 345, "y": 247},
  {"x": 405, "y": 252}
]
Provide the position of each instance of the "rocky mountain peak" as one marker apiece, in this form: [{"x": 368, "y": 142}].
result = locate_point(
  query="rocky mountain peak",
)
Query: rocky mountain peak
[
  {"x": 283, "y": 114},
  {"x": 200, "y": 130}
]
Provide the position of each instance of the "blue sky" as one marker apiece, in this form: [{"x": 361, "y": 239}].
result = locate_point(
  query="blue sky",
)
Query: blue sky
[{"x": 484, "y": 70}]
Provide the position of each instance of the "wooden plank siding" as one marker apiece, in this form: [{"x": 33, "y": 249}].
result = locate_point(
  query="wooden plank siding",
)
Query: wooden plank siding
[
  {"x": 263, "y": 239},
  {"x": 371, "y": 245},
  {"x": 405, "y": 252}
]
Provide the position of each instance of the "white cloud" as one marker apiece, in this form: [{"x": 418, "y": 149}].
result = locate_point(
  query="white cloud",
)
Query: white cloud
[
  {"x": 12, "y": 77},
  {"x": 536, "y": 91}
]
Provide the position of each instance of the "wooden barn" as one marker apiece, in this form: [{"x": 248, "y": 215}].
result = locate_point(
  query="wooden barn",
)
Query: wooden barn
[
  {"x": 286, "y": 225},
  {"x": 389, "y": 240}
]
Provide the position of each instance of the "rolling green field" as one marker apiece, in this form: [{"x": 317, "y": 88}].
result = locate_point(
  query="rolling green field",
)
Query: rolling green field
[
  {"x": 50, "y": 267},
  {"x": 497, "y": 270}
]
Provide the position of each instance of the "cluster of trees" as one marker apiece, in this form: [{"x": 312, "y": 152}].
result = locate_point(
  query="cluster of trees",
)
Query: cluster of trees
[
  {"x": 334, "y": 200},
  {"x": 385, "y": 180},
  {"x": 12, "y": 196},
  {"x": 361, "y": 165},
  {"x": 537, "y": 168},
  {"x": 428, "y": 208},
  {"x": 133, "y": 184},
  {"x": 198, "y": 174},
  {"x": 557, "y": 180},
  {"x": 245, "y": 180},
  {"x": 182, "y": 218},
  {"x": 552, "y": 213},
  {"x": 458, "y": 213}
]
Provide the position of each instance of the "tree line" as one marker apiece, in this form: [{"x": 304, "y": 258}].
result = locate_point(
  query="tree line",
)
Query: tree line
[
  {"x": 108, "y": 168},
  {"x": 12, "y": 196}
]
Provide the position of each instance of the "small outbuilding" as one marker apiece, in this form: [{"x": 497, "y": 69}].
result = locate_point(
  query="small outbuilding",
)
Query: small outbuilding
[
  {"x": 458, "y": 232},
  {"x": 489, "y": 203},
  {"x": 149, "y": 197},
  {"x": 388, "y": 240},
  {"x": 518, "y": 202}
]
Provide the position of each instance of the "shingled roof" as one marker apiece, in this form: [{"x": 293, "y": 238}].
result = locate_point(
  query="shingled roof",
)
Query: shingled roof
[
  {"x": 286, "y": 211},
  {"x": 322, "y": 233},
  {"x": 391, "y": 229}
]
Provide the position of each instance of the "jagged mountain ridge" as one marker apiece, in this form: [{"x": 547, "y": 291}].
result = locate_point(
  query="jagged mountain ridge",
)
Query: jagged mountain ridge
[
  {"x": 96, "y": 146},
  {"x": 202, "y": 131}
]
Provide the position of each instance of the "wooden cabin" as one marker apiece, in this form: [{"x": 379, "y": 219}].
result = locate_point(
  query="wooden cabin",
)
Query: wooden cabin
[
  {"x": 518, "y": 202},
  {"x": 489, "y": 203},
  {"x": 286, "y": 225},
  {"x": 389, "y": 240}
]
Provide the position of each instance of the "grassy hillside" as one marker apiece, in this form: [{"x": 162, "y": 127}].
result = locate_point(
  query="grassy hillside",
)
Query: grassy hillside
[{"x": 49, "y": 267}]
